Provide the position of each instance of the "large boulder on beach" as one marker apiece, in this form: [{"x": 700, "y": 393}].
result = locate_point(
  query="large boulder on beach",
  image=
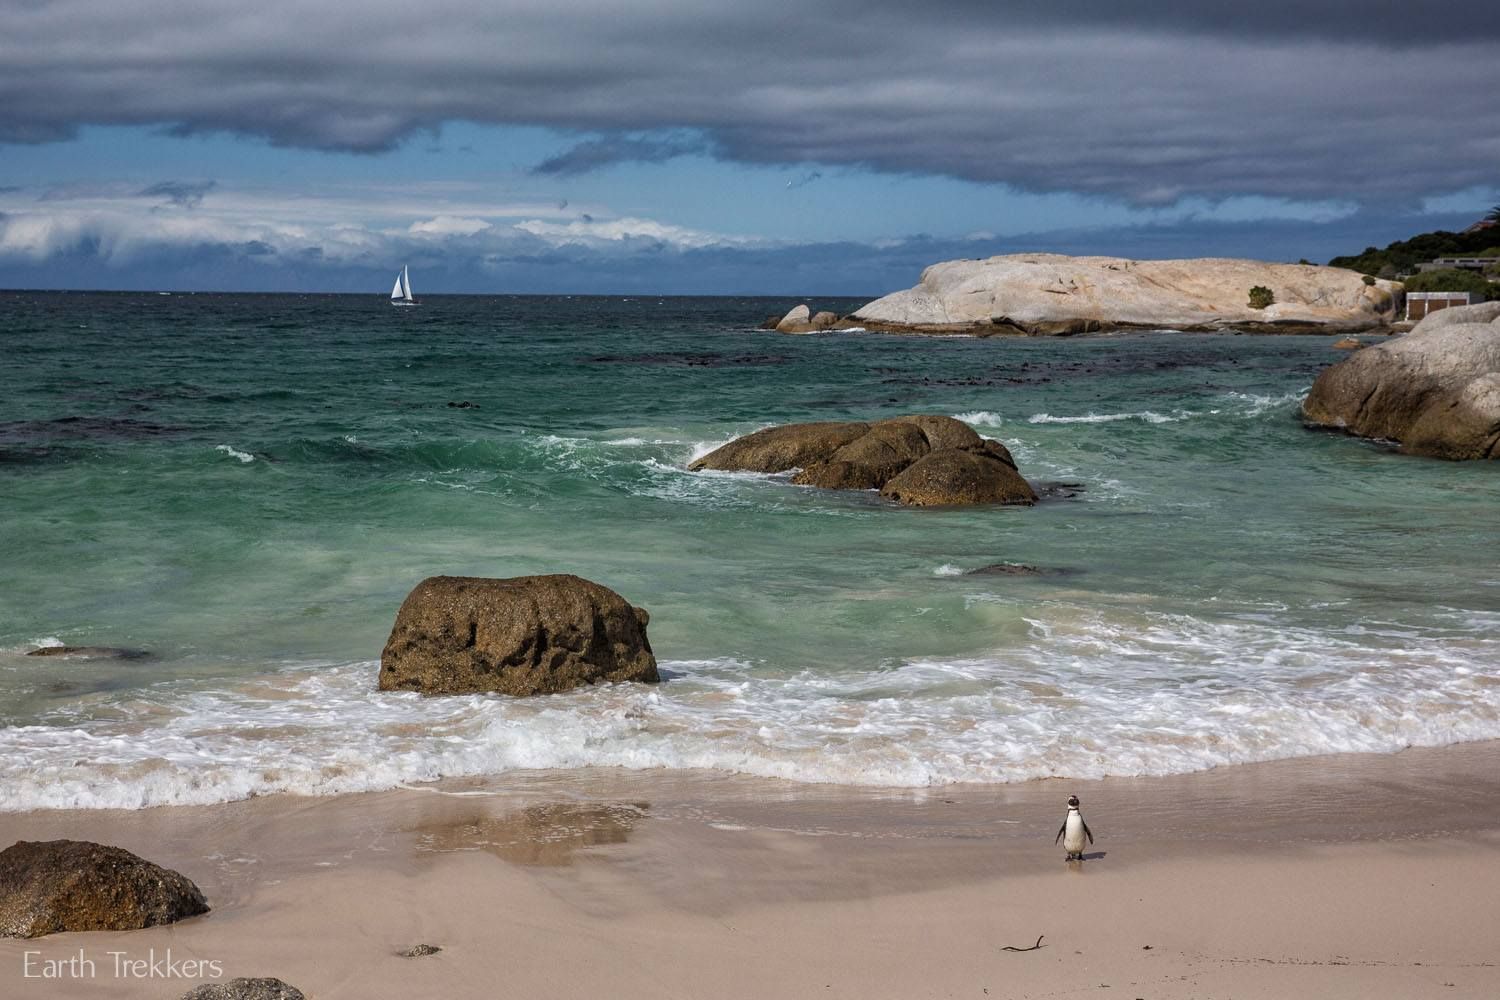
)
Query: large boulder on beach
[
  {"x": 1436, "y": 392},
  {"x": 245, "y": 989},
  {"x": 1053, "y": 294},
  {"x": 869, "y": 456},
  {"x": 75, "y": 885},
  {"x": 519, "y": 636}
]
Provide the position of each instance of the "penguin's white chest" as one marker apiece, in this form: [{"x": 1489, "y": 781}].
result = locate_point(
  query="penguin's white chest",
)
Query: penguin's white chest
[{"x": 1073, "y": 832}]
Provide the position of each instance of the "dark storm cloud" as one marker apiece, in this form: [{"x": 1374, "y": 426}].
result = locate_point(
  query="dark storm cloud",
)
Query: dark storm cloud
[
  {"x": 593, "y": 154},
  {"x": 1150, "y": 101},
  {"x": 185, "y": 194}
]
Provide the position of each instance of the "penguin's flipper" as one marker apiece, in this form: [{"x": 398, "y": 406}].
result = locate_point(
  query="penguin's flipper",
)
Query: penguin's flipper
[
  {"x": 1087, "y": 832},
  {"x": 1059, "y": 833}
]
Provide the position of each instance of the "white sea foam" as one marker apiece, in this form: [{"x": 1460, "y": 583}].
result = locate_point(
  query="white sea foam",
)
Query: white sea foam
[
  {"x": 243, "y": 456},
  {"x": 1090, "y": 693},
  {"x": 1253, "y": 405},
  {"x": 948, "y": 569},
  {"x": 1236, "y": 404},
  {"x": 1148, "y": 416}
]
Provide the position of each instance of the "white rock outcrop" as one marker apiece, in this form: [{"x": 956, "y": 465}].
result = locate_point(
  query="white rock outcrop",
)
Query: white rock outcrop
[
  {"x": 796, "y": 320},
  {"x": 1056, "y": 294}
]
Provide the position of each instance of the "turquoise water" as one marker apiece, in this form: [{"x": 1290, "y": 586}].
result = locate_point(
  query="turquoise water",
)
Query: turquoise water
[{"x": 247, "y": 486}]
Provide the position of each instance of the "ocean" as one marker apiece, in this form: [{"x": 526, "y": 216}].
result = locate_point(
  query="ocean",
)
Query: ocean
[{"x": 244, "y": 488}]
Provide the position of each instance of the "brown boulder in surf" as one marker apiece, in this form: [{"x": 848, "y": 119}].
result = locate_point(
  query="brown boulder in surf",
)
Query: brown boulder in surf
[
  {"x": 958, "y": 476},
  {"x": 519, "y": 636},
  {"x": 777, "y": 449},
  {"x": 870, "y": 456}
]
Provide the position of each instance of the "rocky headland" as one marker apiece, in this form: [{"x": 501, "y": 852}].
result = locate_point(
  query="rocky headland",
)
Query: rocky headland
[
  {"x": 920, "y": 460},
  {"x": 1056, "y": 295},
  {"x": 1434, "y": 391}
]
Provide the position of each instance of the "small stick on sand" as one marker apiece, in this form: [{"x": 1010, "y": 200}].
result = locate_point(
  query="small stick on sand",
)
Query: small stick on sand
[{"x": 1011, "y": 947}]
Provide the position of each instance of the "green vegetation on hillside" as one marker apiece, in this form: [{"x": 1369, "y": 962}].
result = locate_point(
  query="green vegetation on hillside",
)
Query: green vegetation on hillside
[
  {"x": 1450, "y": 280},
  {"x": 1404, "y": 255}
]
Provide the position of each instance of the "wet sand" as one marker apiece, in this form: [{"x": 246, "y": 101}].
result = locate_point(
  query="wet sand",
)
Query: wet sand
[{"x": 1348, "y": 876}]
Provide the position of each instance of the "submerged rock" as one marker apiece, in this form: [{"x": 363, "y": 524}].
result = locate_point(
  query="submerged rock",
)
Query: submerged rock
[
  {"x": 91, "y": 652},
  {"x": 1053, "y": 294},
  {"x": 1348, "y": 344},
  {"x": 1054, "y": 490},
  {"x": 1435, "y": 391},
  {"x": 1015, "y": 569},
  {"x": 519, "y": 636},
  {"x": 245, "y": 989},
  {"x": 955, "y": 461},
  {"x": 74, "y": 885}
]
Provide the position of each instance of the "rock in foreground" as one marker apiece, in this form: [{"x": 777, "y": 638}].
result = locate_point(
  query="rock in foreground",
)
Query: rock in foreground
[
  {"x": 1435, "y": 391},
  {"x": 1052, "y": 294},
  {"x": 245, "y": 989},
  {"x": 520, "y": 636},
  {"x": 75, "y": 885},
  {"x": 919, "y": 460}
]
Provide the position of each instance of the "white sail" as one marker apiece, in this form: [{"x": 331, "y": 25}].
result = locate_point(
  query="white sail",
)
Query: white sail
[{"x": 401, "y": 290}]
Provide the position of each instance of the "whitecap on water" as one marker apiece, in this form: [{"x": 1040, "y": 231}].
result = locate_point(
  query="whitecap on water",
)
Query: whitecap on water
[
  {"x": 980, "y": 418},
  {"x": 243, "y": 456}
]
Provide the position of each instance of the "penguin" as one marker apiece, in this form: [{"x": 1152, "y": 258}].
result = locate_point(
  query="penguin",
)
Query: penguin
[{"x": 1073, "y": 830}]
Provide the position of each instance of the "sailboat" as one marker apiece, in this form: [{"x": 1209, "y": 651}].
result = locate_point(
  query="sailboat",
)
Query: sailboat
[{"x": 401, "y": 290}]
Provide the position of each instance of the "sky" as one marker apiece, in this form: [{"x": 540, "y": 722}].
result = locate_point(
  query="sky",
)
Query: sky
[{"x": 778, "y": 147}]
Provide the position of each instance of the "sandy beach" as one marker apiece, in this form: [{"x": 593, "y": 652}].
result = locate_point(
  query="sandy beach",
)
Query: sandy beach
[{"x": 1347, "y": 876}]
